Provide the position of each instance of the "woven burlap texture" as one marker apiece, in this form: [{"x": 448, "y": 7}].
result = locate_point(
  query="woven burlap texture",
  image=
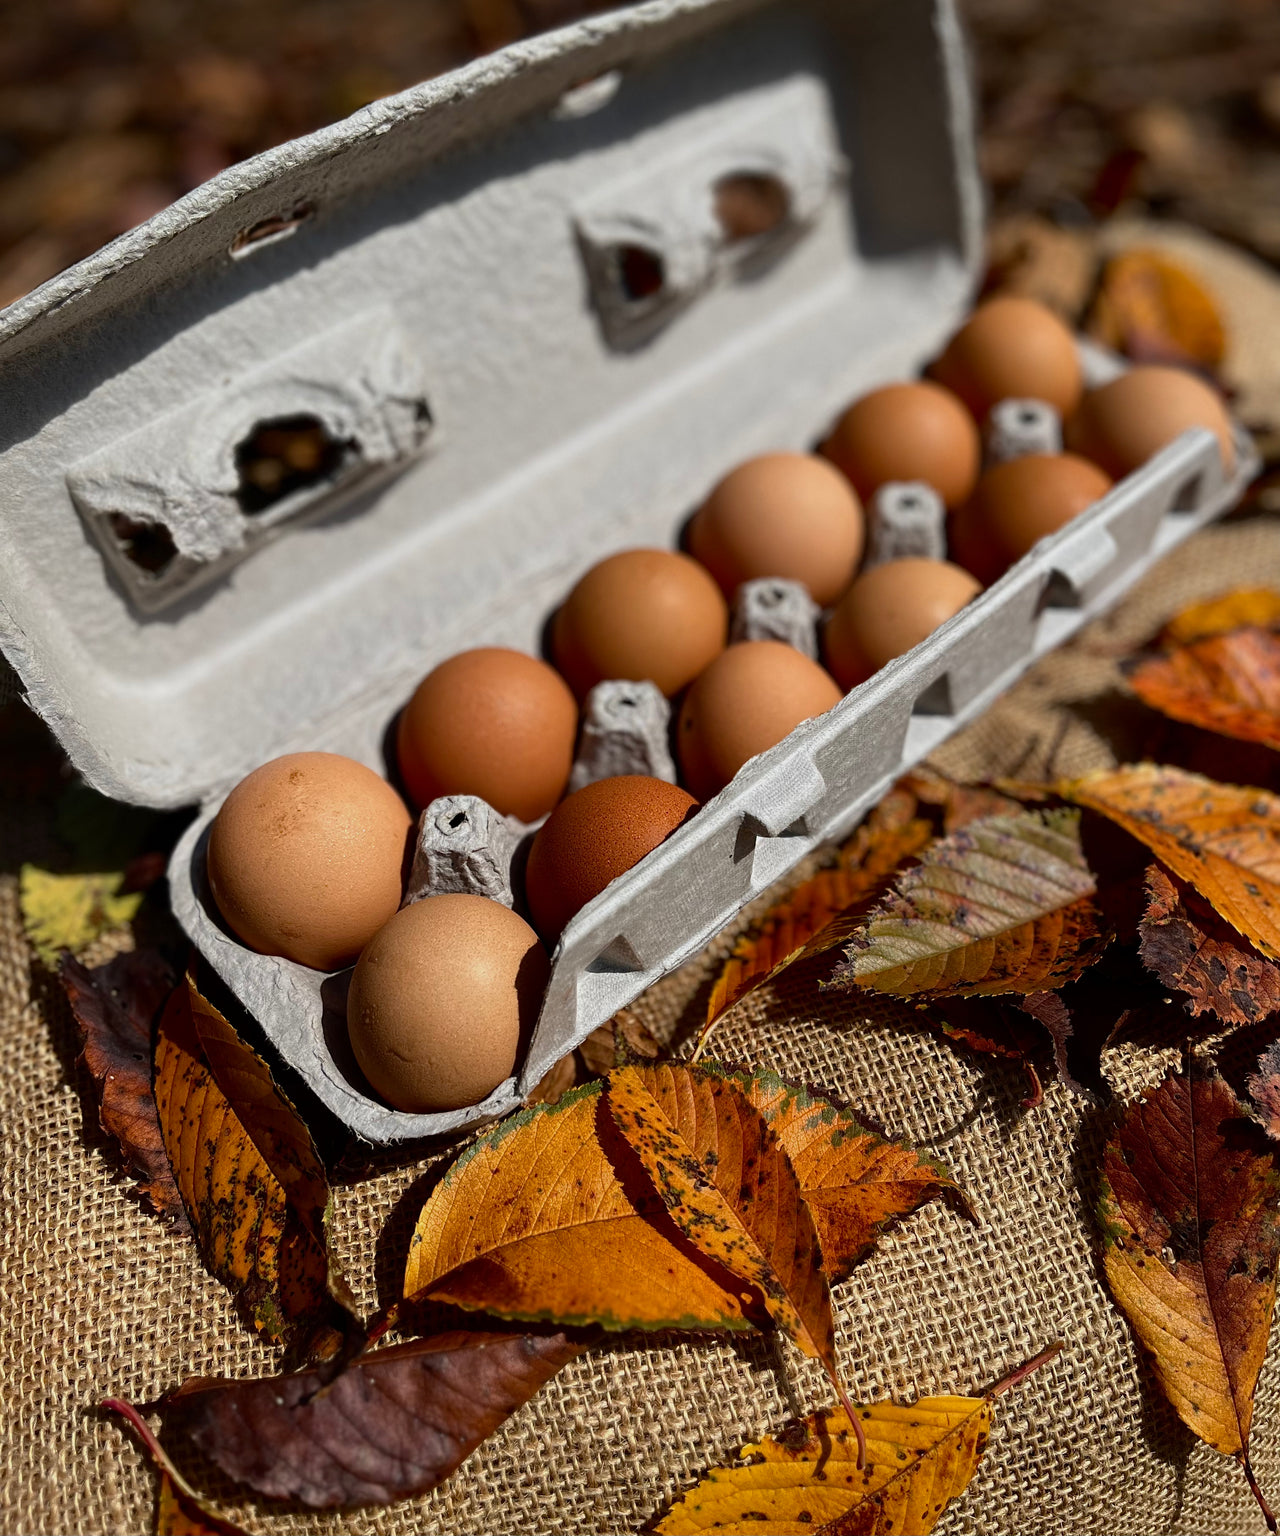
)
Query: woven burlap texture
[{"x": 97, "y": 1298}]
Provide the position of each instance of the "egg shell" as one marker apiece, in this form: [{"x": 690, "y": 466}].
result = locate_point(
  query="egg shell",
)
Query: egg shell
[
  {"x": 443, "y": 999},
  {"x": 597, "y": 834},
  {"x": 306, "y": 858},
  {"x": 908, "y": 432},
  {"x": 747, "y": 701},
  {"x": 1121, "y": 425},
  {"x": 489, "y": 722},
  {"x": 641, "y": 615},
  {"x": 788, "y": 515},
  {"x": 888, "y": 610},
  {"x": 1016, "y": 504},
  {"x": 1012, "y": 348}
]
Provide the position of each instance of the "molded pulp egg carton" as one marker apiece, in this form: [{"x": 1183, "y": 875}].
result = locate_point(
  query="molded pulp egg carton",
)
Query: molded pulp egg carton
[{"x": 447, "y": 282}]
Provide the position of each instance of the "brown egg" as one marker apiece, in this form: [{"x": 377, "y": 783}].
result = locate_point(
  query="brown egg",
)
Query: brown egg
[
  {"x": 644, "y": 614},
  {"x": 442, "y": 999},
  {"x": 888, "y": 610},
  {"x": 746, "y": 701},
  {"x": 493, "y": 723},
  {"x": 784, "y": 514},
  {"x": 1122, "y": 424},
  {"x": 907, "y": 432},
  {"x": 306, "y": 858},
  {"x": 594, "y": 836},
  {"x": 1016, "y": 504},
  {"x": 1012, "y": 348}
]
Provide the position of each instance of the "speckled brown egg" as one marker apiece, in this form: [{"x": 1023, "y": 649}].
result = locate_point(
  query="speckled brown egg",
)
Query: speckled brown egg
[
  {"x": 442, "y": 999},
  {"x": 1121, "y": 425},
  {"x": 1016, "y": 504},
  {"x": 746, "y": 701},
  {"x": 788, "y": 515},
  {"x": 493, "y": 723},
  {"x": 594, "y": 836},
  {"x": 907, "y": 432},
  {"x": 888, "y": 610},
  {"x": 1012, "y": 348},
  {"x": 306, "y": 858},
  {"x": 643, "y": 614}
]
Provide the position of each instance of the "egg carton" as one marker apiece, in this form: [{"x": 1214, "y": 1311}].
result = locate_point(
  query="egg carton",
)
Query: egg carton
[{"x": 500, "y": 314}]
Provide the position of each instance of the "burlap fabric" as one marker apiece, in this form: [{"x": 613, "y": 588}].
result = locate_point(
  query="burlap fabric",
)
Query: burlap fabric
[{"x": 97, "y": 1298}]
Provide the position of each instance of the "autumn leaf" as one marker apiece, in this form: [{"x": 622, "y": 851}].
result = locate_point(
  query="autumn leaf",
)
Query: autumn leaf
[
  {"x": 68, "y": 912},
  {"x": 806, "y": 1481},
  {"x": 260, "y": 1233},
  {"x": 1191, "y": 1238},
  {"x": 1154, "y": 311},
  {"x": 999, "y": 906},
  {"x": 804, "y": 923},
  {"x": 1245, "y": 608},
  {"x": 854, "y": 1182},
  {"x": 1263, "y": 1087},
  {"x": 115, "y": 1007},
  {"x": 549, "y": 1217},
  {"x": 179, "y": 1510},
  {"x": 1225, "y": 683},
  {"x": 959, "y": 803},
  {"x": 622, "y": 1039},
  {"x": 1189, "y": 947},
  {"x": 1221, "y": 839},
  {"x": 391, "y": 1425}
]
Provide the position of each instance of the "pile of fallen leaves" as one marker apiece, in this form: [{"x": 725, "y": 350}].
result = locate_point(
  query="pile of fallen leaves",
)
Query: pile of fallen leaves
[{"x": 1042, "y": 923}]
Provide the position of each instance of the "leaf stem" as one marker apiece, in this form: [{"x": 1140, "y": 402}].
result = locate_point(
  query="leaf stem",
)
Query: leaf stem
[
  {"x": 157, "y": 1452},
  {"x": 1021, "y": 1372},
  {"x": 854, "y": 1419},
  {"x": 708, "y": 1029},
  {"x": 1247, "y": 1468}
]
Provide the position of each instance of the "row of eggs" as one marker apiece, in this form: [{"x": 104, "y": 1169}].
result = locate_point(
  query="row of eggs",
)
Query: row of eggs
[{"x": 306, "y": 858}]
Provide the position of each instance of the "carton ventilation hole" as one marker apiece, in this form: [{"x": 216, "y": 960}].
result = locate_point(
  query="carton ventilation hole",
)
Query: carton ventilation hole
[
  {"x": 936, "y": 698},
  {"x": 1058, "y": 592},
  {"x": 279, "y": 226},
  {"x": 617, "y": 957},
  {"x": 285, "y": 455},
  {"x": 1188, "y": 496},
  {"x": 750, "y": 205},
  {"x": 642, "y": 273},
  {"x": 149, "y": 546}
]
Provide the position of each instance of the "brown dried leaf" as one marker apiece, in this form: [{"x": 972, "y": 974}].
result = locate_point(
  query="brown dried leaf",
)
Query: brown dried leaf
[
  {"x": 1190, "y": 1216},
  {"x": 115, "y": 1008},
  {"x": 179, "y": 1512},
  {"x": 1246, "y": 608},
  {"x": 267, "y": 1246},
  {"x": 1225, "y": 683},
  {"x": 1155, "y": 311},
  {"x": 614, "y": 1044},
  {"x": 959, "y": 803},
  {"x": 390, "y": 1425},
  {"x": 1264, "y": 1089},
  {"x": 1189, "y": 947}
]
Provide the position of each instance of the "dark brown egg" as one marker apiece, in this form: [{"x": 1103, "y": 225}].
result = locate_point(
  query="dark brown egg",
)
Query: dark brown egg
[
  {"x": 907, "y": 432},
  {"x": 644, "y": 614},
  {"x": 1016, "y": 504},
  {"x": 493, "y": 723},
  {"x": 594, "y": 836},
  {"x": 306, "y": 858},
  {"x": 748, "y": 700},
  {"x": 889, "y": 610},
  {"x": 789, "y": 515},
  {"x": 442, "y": 999},
  {"x": 1122, "y": 424},
  {"x": 1012, "y": 348}
]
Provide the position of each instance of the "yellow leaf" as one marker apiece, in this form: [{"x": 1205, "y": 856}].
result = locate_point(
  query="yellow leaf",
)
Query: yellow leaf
[
  {"x": 1248, "y": 608},
  {"x": 1220, "y": 838},
  {"x": 71, "y": 911},
  {"x": 549, "y": 1216}
]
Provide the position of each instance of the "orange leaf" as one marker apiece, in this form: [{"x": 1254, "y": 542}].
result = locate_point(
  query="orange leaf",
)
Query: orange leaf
[
  {"x": 1220, "y": 838},
  {"x": 549, "y": 1217},
  {"x": 731, "y": 1189},
  {"x": 1226, "y": 683},
  {"x": 1247, "y": 608},
  {"x": 1155, "y": 311}
]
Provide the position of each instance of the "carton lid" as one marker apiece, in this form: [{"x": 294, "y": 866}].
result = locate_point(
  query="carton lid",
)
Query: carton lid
[{"x": 385, "y": 391}]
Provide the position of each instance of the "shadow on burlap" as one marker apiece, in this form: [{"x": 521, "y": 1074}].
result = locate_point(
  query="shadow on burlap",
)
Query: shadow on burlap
[{"x": 97, "y": 1298}]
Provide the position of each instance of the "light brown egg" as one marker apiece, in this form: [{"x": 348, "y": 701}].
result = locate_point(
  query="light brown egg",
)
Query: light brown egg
[
  {"x": 1016, "y": 504},
  {"x": 594, "y": 836},
  {"x": 442, "y": 999},
  {"x": 1012, "y": 348},
  {"x": 784, "y": 514},
  {"x": 644, "y": 614},
  {"x": 306, "y": 858},
  {"x": 888, "y": 610},
  {"x": 907, "y": 432},
  {"x": 493, "y": 723},
  {"x": 1122, "y": 424},
  {"x": 746, "y": 701}
]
